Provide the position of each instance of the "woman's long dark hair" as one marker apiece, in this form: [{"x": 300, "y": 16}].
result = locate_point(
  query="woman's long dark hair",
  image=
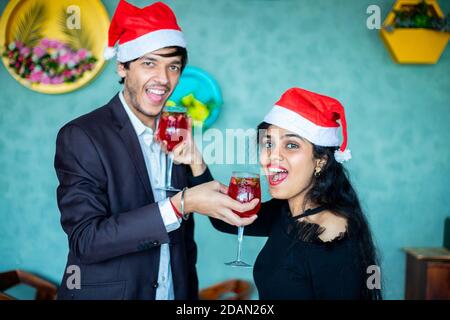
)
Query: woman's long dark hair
[{"x": 333, "y": 190}]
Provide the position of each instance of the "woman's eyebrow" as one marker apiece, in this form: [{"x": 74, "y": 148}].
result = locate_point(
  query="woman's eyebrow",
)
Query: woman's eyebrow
[{"x": 292, "y": 135}]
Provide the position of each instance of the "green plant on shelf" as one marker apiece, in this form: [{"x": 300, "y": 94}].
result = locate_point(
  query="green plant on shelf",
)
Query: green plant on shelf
[{"x": 421, "y": 15}]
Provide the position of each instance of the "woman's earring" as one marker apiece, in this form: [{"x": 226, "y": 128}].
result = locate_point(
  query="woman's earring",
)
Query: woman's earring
[{"x": 317, "y": 172}]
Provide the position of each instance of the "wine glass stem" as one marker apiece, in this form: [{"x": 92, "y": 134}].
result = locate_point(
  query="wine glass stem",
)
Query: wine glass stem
[
  {"x": 169, "y": 164},
  {"x": 240, "y": 238}
]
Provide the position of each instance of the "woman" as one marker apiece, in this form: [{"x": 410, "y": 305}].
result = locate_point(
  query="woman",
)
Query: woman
[{"x": 319, "y": 243}]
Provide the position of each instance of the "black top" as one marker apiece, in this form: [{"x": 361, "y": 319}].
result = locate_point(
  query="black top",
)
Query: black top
[{"x": 295, "y": 263}]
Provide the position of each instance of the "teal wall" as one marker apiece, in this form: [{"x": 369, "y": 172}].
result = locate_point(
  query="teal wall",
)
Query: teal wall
[{"x": 398, "y": 118}]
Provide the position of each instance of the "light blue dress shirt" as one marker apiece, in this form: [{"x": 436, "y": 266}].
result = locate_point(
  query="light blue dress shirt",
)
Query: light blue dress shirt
[{"x": 155, "y": 161}]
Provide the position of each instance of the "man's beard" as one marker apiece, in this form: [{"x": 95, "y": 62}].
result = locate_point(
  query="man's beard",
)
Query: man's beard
[{"x": 135, "y": 104}]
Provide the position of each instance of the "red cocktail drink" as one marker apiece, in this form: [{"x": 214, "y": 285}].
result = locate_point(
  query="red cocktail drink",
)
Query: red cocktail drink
[
  {"x": 244, "y": 188},
  {"x": 172, "y": 127}
]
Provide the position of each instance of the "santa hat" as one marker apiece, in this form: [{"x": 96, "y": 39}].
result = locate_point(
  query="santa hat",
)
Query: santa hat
[
  {"x": 313, "y": 117},
  {"x": 140, "y": 31}
]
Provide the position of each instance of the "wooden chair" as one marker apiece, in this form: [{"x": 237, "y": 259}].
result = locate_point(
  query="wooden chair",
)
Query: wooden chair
[
  {"x": 234, "y": 289},
  {"x": 44, "y": 289}
]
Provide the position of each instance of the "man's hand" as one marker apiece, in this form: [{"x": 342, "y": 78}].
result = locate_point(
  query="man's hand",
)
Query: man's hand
[
  {"x": 211, "y": 199},
  {"x": 186, "y": 152}
]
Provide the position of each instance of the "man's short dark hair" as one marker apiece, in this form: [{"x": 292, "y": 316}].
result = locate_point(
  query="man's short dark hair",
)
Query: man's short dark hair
[{"x": 179, "y": 51}]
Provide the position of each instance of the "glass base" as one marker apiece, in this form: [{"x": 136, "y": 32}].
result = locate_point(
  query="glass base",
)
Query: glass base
[
  {"x": 238, "y": 263},
  {"x": 168, "y": 189}
]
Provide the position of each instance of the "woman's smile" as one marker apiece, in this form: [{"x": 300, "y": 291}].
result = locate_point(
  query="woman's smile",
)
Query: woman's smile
[{"x": 276, "y": 174}]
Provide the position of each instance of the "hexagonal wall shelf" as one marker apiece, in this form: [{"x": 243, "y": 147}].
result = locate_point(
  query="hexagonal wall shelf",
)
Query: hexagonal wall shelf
[{"x": 414, "y": 45}]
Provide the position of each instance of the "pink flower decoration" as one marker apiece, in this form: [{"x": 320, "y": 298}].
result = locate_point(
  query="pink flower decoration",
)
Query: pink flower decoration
[
  {"x": 64, "y": 59},
  {"x": 39, "y": 51},
  {"x": 36, "y": 76},
  {"x": 45, "y": 79},
  {"x": 57, "y": 80},
  {"x": 82, "y": 54},
  {"x": 28, "y": 61},
  {"x": 52, "y": 44},
  {"x": 87, "y": 67},
  {"x": 25, "y": 51},
  {"x": 45, "y": 43},
  {"x": 59, "y": 45},
  {"x": 75, "y": 59},
  {"x": 19, "y": 45}
]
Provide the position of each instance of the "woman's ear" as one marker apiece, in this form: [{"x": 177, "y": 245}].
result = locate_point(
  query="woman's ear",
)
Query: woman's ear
[{"x": 322, "y": 162}]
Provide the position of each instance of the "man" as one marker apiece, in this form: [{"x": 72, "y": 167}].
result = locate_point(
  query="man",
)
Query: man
[{"x": 126, "y": 236}]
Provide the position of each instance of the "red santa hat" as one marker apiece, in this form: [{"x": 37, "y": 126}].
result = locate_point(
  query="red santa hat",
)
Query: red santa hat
[
  {"x": 313, "y": 117},
  {"x": 139, "y": 31}
]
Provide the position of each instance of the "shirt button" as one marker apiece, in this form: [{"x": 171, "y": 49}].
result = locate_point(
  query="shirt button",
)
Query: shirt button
[{"x": 155, "y": 284}]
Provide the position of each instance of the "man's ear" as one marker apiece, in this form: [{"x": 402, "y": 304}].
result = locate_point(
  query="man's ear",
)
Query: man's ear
[{"x": 121, "y": 71}]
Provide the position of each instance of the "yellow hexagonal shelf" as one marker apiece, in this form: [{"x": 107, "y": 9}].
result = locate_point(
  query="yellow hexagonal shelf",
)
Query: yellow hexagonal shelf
[{"x": 414, "y": 45}]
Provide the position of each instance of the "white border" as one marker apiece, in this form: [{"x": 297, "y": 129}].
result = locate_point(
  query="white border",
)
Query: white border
[
  {"x": 150, "y": 42},
  {"x": 292, "y": 121}
]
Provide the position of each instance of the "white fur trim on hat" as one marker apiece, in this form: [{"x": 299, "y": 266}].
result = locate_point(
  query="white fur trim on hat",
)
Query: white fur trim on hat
[
  {"x": 109, "y": 52},
  {"x": 342, "y": 156},
  {"x": 292, "y": 121},
  {"x": 150, "y": 42}
]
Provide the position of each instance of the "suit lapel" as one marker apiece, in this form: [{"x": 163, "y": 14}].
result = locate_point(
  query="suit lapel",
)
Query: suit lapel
[
  {"x": 133, "y": 147},
  {"x": 131, "y": 142}
]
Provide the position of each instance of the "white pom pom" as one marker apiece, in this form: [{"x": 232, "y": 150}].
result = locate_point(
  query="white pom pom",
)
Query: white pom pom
[
  {"x": 109, "y": 53},
  {"x": 342, "y": 156}
]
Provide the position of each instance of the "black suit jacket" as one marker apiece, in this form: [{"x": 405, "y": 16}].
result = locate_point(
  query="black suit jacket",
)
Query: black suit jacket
[{"x": 108, "y": 212}]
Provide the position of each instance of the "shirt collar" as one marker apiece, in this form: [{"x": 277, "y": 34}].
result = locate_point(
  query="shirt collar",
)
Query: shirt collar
[{"x": 138, "y": 126}]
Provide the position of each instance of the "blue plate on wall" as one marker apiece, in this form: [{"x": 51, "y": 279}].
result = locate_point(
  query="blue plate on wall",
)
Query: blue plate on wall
[{"x": 200, "y": 94}]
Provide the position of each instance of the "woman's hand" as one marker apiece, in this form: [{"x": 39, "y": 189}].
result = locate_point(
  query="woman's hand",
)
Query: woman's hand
[{"x": 211, "y": 199}]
